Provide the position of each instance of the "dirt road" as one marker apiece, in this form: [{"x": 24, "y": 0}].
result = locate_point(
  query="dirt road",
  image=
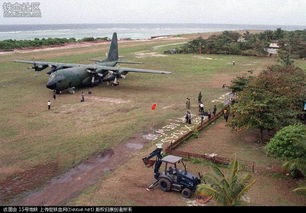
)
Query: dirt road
[{"x": 63, "y": 188}]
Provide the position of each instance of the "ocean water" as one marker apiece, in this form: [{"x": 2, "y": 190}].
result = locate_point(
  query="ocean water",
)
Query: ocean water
[{"x": 134, "y": 31}]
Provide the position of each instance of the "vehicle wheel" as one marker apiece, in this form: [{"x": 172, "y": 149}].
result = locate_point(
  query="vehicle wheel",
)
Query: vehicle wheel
[
  {"x": 186, "y": 193},
  {"x": 165, "y": 184}
]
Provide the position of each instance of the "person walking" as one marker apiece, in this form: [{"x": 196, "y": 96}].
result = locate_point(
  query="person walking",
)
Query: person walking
[
  {"x": 49, "y": 105},
  {"x": 226, "y": 114},
  {"x": 215, "y": 110},
  {"x": 187, "y": 103}
]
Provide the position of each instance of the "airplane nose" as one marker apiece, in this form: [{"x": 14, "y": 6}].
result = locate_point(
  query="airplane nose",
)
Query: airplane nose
[{"x": 51, "y": 85}]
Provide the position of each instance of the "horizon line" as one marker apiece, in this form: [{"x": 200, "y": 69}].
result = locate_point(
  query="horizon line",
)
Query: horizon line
[{"x": 161, "y": 23}]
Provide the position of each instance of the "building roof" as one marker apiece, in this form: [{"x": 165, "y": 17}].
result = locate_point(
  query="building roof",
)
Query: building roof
[
  {"x": 273, "y": 45},
  {"x": 171, "y": 159}
]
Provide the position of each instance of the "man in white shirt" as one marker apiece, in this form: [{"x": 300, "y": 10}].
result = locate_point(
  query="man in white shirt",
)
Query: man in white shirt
[{"x": 49, "y": 105}]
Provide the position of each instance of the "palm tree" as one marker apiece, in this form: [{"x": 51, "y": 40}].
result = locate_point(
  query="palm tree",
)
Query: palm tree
[{"x": 227, "y": 191}]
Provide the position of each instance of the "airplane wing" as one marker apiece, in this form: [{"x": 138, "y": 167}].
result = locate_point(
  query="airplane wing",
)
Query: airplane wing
[
  {"x": 45, "y": 63},
  {"x": 125, "y": 70},
  {"x": 40, "y": 65}
]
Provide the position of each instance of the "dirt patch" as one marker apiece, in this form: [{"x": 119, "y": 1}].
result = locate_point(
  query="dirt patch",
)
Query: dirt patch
[
  {"x": 89, "y": 100},
  {"x": 133, "y": 177},
  {"x": 168, "y": 107},
  {"x": 165, "y": 45},
  {"x": 205, "y": 58},
  {"x": 108, "y": 100},
  {"x": 219, "y": 80},
  {"x": 143, "y": 54},
  {"x": 70, "y": 184},
  {"x": 26, "y": 180},
  {"x": 151, "y": 137}
]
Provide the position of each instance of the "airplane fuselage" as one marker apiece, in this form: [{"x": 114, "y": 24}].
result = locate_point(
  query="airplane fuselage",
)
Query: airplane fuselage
[
  {"x": 69, "y": 78},
  {"x": 77, "y": 77}
]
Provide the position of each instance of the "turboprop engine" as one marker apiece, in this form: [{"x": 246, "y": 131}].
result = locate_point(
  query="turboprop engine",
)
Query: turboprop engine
[{"x": 38, "y": 67}]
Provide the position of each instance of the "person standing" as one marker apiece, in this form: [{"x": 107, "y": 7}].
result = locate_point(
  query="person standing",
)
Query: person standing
[
  {"x": 49, "y": 105},
  {"x": 215, "y": 110},
  {"x": 202, "y": 118},
  {"x": 226, "y": 114},
  {"x": 187, "y": 103},
  {"x": 82, "y": 97},
  {"x": 209, "y": 114},
  {"x": 201, "y": 108},
  {"x": 188, "y": 117},
  {"x": 200, "y": 98},
  {"x": 54, "y": 94}
]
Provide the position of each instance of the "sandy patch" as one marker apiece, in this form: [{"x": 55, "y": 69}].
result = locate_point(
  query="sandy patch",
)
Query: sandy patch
[
  {"x": 165, "y": 45},
  {"x": 143, "y": 54},
  {"x": 169, "y": 106}
]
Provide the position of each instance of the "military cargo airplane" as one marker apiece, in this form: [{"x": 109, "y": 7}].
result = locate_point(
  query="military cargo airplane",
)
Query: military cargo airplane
[{"x": 64, "y": 76}]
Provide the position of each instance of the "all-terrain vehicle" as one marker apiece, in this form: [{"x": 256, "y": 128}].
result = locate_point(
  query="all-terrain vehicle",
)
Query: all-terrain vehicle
[{"x": 172, "y": 178}]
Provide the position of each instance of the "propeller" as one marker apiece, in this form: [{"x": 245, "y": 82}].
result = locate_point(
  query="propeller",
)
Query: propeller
[
  {"x": 54, "y": 69},
  {"x": 38, "y": 67},
  {"x": 95, "y": 75},
  {"x": 34, "y": 65}
]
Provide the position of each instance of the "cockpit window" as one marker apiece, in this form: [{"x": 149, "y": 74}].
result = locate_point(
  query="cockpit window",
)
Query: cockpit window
[{"x": 52, "y": 76}]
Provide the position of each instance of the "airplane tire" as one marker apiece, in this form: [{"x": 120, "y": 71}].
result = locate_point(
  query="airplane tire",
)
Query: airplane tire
[
  {"x": 165, "y": 184},
  {"x": 186, "y": 193}
]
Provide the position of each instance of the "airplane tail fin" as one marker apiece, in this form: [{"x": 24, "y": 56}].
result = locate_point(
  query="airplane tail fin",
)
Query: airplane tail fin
[
  {"x": 113, "y": 50},
  {"x": 113, "y": 54}
]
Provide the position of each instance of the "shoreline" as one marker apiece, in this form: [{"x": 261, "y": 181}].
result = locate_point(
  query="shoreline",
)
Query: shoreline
[
  {"x": 82, "y": 44},
  {"x": 124, "y": 40}
]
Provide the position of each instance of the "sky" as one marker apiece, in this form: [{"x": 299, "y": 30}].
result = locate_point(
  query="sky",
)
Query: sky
[{"x": 261, "y": 12}]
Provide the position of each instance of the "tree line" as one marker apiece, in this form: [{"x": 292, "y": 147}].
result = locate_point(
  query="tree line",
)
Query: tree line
[
  {"x": 247, "y": 44},
  {"x": 11, "y": 44},
  {"x": 273, "y": 102}
]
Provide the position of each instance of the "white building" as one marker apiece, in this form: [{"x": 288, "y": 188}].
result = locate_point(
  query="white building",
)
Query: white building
[{"x": 272, "y": 49}]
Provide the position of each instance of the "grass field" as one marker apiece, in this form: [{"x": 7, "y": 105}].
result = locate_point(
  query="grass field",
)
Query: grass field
[{"x": 32, "y": 136}]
